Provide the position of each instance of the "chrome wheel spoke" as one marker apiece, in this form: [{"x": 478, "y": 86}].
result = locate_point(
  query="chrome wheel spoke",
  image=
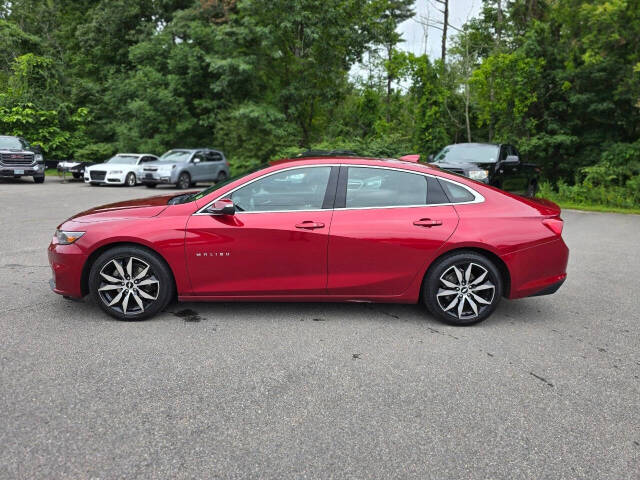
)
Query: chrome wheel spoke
[
  {"x": 451, "y": 305},
  {"x": 116, "y": 299},
  {"x": 458, "y": 274},
  {"x": 479, "y": 279},
  {"x": 125, "y": 302},
  {"x": 447, "y": 283},
  {"x": 473, "y": 305},
  {"x": 461, "y": 307},
  {"x": 109, "y": 278},
  {"x": 148, "y": 281},
  {"x": 447, "y": 292},
  {"x": 484, "y": 286},
  {"x": 110, "y": 287},
  {"x": 142, "y": 273},
  {"x": 130, "y": 267},
  {"x": 138, "y": 301},
  {"x": 119, "y": 268},
  {"x": 480, "y": 299},
  {"x": 144, "y": 294},
  {"x": 467, "y": 273}
]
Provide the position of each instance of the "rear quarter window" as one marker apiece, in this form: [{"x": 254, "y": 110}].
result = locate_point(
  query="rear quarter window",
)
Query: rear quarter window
[{"x": 456, "y": 193}]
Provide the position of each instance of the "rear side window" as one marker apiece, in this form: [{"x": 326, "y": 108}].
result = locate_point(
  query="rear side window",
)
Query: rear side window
[
  {"x": 378, "y": 187},
  {"x": 456, "y": 193}
]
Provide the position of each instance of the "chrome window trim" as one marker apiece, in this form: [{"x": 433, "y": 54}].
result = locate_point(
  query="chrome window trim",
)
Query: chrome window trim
[{"x": 478, "y": 198}]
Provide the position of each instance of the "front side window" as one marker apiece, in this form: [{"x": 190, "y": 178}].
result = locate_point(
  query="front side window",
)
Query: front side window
[
  {"x": 296, "y": 189},
  {"x": 378, "y": 187}
]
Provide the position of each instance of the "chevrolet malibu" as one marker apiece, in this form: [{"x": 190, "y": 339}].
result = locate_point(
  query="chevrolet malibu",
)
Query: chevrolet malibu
[{"x": 317, "y": 229}]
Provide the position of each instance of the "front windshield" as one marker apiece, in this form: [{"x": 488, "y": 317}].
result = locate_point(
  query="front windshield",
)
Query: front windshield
[
  {"x": 176, "y": 156},
  {"x": 123, "y": 159},
  {"x": 468, "y": 153},
  {"x": 13, "y": 143}
]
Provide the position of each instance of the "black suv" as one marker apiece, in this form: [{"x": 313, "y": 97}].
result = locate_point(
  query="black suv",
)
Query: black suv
[
  {"x": 18, "y": 159},
  {"x": 496, "y": 164}
]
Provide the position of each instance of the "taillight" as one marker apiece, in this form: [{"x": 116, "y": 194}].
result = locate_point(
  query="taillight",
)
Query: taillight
[{"x": 554, "y": 224}]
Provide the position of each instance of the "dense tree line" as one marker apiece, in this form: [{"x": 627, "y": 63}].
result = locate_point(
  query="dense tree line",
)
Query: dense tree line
[{"x": 261, "y": 79}]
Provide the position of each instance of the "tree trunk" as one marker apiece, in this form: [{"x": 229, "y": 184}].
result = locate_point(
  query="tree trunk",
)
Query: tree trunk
[{"x": 445, "y": 24}]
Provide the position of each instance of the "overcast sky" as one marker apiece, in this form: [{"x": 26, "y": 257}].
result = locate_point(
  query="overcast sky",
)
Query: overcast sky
[{"x": 413, "y": 33}]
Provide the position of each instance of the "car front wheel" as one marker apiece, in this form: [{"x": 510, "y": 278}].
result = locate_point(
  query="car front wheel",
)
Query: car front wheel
[
  {"x": 462, "y": 288},
  {"x": 130, "y": 283},
  {"x": 184, "y": 180},
  {"x": 38, "y": 179},
  {"x": 130, "y": 180}
]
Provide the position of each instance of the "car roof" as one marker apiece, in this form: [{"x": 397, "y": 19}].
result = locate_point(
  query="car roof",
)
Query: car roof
[
  {"x": 349, "y": 160},
  {"x": 137, "y": 154}
]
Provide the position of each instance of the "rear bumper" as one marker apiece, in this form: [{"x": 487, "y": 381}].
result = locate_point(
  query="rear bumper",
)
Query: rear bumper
[{"x": 539, "y": 270}]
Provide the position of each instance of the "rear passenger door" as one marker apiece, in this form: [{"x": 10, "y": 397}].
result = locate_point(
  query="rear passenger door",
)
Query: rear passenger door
[
  {"x": 387, "y": 226},
  {"x": 214, "y": 163}
]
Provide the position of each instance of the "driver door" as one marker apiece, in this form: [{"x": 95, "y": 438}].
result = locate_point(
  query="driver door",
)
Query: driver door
[{"x": 275, "y": 244}]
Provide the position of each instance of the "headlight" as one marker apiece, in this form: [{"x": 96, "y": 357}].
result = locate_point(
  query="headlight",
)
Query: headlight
[
  {"x": 116, "y": 172},
  {"x": 66, "y": 237},
  {"x": 39, "y": 157},
  {"x": 478, "y": 174}
]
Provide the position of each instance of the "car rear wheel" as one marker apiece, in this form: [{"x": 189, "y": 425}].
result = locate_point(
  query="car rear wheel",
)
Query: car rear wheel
[
  {"x": 462, "y": 288},
  {"x": 130, "y": 283},
  {"x": 130, "y": 180},
  {"x": 222, "y": 176},
  {"x": 76, "y": 175},
  {"x": 184, "y": 180}
]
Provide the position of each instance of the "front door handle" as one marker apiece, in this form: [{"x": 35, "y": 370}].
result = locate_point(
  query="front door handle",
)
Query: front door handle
[
  {"x": 309, "y": 225},
  {"x": 427, "y": 223}
]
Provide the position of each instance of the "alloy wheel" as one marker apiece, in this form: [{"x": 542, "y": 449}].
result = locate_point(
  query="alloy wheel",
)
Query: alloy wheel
[
  {"x": 128, "y": 285},
  {"x": 131, "y": 180},
  {"x": 465, "y": 290}
]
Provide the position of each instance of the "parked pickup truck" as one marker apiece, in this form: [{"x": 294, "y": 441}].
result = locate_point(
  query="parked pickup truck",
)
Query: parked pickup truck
[
  {"x": 19, "y": 159},
  {"x": 184, "y": 167},
  {"x": 495, "y": 164}
]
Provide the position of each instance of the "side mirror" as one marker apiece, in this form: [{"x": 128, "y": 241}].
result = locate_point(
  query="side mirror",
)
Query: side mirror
[
  {"x": 222, "y": 207},
  {"x": 512, "y": 160},
  {"x": 430, "y": 157},
  {"x": 196, "y": 160}
]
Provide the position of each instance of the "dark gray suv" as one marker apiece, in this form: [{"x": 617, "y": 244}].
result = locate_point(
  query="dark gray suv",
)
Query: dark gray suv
[
  {"x": 184, "y": 167},
  {"x": 19, "y": 159}
]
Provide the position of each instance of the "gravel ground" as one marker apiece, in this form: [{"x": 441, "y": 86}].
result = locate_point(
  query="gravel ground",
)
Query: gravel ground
[{"x": 546, "y": 388}]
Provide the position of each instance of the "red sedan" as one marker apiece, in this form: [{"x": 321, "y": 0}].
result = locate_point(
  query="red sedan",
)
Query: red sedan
[{"x": 318, "y": 229}]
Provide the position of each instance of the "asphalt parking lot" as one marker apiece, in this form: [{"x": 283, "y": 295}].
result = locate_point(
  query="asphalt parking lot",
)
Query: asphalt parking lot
[{"x": 549, "y": 387}]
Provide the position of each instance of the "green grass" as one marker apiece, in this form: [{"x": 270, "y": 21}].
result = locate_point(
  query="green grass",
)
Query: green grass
[
  {"x": 594, "y": 208},
  {"x": 51, "y": 171}
]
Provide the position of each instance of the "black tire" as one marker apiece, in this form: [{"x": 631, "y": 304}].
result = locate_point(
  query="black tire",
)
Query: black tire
[
  {"x": 151, "y": 185},
  {"x": 184, "y": 180},
  {"x": 130, "y": 180},
  {"x": 532, "y": 189},
  {"x": 38, "y": 179},
  {"x": 76, "y": 175},
  {"x": 434, "y": 289},
  {"x": 222, "y": 176},
  {"x": 157, "y": 272}
]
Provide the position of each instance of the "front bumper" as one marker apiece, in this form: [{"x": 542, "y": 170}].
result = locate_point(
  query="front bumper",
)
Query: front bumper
[
  {"x": 110, "y": 179},
  {"x": 26, "y": 171},
  {"x": 157, "y": 178},
  {"x": 67, "y": 262}
]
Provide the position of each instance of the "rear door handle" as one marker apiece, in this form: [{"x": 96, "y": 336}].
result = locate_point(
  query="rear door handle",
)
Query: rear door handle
[
  {"x": 427, "y": 223},
  {"x": 309, "y": 225}
]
